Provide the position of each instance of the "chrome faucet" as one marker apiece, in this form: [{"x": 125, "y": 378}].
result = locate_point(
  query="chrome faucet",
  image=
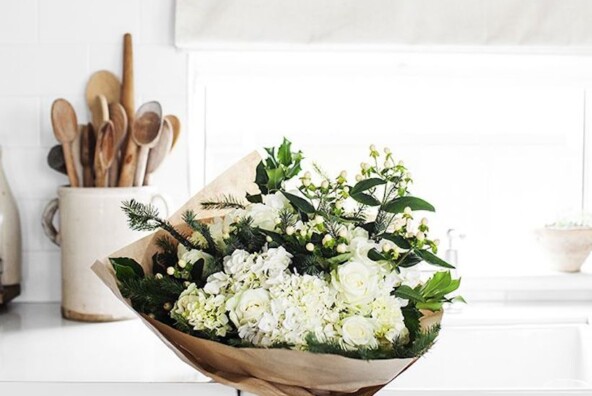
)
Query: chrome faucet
[{"x": 451, "y": 253}]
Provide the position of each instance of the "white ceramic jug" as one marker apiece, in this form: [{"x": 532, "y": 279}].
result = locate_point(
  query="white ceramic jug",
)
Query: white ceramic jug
[
  {"x": 10, "y": 241},
  {"x": 92, "y": 225}
]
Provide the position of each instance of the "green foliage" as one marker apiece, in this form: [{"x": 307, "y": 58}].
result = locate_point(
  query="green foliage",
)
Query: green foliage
[
  {"x": 150, "y": 294},
  {"x": 366, "y": 199},
  {"x": 144, "y": 217},
  {"x": 431, "y": 258},
  {"x": 422, "y": 342},
  {"x": 224, "y": 202},
  {"x": 399, "y": 204},
  {"x": 276, "y": 169},
  {"x": 126, "y": 268},
  {"x": 435, "y": 290},
  {"x": 299, "y": 203},
  {"x": 366, "y": 184}
]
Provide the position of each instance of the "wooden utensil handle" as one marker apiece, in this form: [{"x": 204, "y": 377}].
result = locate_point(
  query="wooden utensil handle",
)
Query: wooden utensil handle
[
  {"x": 87, "y": 177},
  {"x": 128, "y": 165},
  {"x": 70, "y": 168},
  {"x": 114, "y": 172},
  {"x": 101, "y": 177},
  {"x": 141, "y": 167}
]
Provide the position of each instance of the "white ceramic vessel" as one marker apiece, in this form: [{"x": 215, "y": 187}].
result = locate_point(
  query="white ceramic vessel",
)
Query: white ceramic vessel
[
  {"x": 10, "y": 234},
  {"x": 92, "y": 225},
  {"x": 567, "y": 248}
]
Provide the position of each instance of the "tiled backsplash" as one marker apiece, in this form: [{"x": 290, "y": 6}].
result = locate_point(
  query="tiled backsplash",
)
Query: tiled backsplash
[{"x": 48, "y": 49}]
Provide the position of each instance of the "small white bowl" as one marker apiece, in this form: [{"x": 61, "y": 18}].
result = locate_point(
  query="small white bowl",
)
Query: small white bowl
[{"x": 568, "y": 248}]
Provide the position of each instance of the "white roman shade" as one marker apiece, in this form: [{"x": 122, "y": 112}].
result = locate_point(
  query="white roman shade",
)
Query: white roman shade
[{"x": 367, "y": 24}]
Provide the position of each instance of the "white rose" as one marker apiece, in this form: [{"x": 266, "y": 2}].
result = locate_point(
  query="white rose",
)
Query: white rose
[
  {"x": 263, "y": 216},
  {"x": 221, "y": 226},
  {"x": 358, "y": 331},
  {"x": 356, "y": 282},
  {"x": 360, "y": 246},
  {"x": 276, "y": 201},
  {"x": 248, "y": 306}
]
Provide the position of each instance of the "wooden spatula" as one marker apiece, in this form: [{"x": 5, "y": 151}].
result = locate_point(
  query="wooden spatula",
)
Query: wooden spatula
[
  {"x": 176, "y": 125},
  {"x": 103, "y": 83},
  {"x": 119, "y": 119},
  {"x": 104, "y": 154},
  {"x": 130, "y": 149},
  {"x": 55, "y": 159},
  {"x": 65, "y": 129}
]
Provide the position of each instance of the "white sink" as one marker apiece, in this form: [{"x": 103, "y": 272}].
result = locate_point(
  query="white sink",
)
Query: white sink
[{"x": 495, "y": 358}]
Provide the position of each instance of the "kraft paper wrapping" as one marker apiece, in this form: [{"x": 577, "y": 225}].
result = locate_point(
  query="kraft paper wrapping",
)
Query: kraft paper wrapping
[{"x": 267, "y": 372}]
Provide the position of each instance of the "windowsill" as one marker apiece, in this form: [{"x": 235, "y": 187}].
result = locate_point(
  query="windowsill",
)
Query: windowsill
[{"x": 544, "y": 286}]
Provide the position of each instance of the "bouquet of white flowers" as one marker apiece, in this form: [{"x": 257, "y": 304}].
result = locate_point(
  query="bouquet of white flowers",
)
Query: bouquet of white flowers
[{"x": 260, "y": 287}]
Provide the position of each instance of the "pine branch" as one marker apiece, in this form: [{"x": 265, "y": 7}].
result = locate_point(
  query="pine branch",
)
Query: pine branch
[
  {"x": 189, "y": 217},
  {"x": 224, "y": 202},
  {"x": 144, "y": 217}
]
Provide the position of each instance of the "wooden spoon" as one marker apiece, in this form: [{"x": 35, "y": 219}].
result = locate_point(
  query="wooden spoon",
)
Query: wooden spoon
[
  {"x": 160, "y": 151},
  {"x": 130, "y": 149},
  {"x": 65, "y": 129},
  {"x": 103, "y": 83},
  {"x": 104, "y": 154},
  {"x": 55, "y": 159},
  {"x": 119, "y": 119},
  {"x": 145, "y": 133},
  {"x": 176, "y": 125},
  {"x": 87, "y": 154}
]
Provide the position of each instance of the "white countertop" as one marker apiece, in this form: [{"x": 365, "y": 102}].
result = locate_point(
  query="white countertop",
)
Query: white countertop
[{"x": 39, "y": 350}]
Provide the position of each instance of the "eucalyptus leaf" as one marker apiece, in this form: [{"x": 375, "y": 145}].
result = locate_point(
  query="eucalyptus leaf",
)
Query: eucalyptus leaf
[
  {"x": 397, "y": 240},
  {"x": 375, "y": 255},
  {"x": 431, "y": 258},
  {"x": 398, "y": 205},
  {"x": 300, "y": 203},
  {"x": 366, "y": 184},
  {"x": 365, "y": 199}
]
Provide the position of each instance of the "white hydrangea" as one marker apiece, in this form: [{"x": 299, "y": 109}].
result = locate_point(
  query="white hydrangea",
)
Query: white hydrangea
[
  {"x": 388, "y": 317},
  {"x": 202, "y": 311}
]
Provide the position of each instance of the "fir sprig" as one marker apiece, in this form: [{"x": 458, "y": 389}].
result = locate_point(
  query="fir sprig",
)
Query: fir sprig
[
  {"x": 144, "y": 217},
  {"x": 224, "y": 202},
  {"x": 151, "y": 295}
]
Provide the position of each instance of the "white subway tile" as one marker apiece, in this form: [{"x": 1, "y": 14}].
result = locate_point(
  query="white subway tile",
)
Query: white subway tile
[
  {"x": 18, "y": 21},
  {"x": 106, "y": 57},
  {"x": 74, "y": 21},
  {"x": 19, "y": 76},
  {"x": 19, "y": 117},
  {"x": 28, "y": 173},
  {"x": 160, "y": 70},
  {"x": 41, "y": 277},
  {"x": 157, "y": 21},
  {"x": 63, "y": 69}
]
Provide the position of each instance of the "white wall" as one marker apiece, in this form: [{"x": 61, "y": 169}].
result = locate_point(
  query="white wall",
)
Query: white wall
[{"x": 48, "y": 49}]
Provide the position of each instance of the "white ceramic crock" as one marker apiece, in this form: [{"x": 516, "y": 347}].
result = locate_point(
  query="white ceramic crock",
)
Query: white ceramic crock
[{"x": 92, "y": 225}]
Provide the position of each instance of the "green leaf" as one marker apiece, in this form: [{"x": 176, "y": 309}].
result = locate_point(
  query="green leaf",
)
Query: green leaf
[
  {"x": 430, "y": 305},
  {"x": 434, "y": 286},
  {"x": 397, "y": 240},
  {"x": 366, "y": 184},
  {"x": 300, "y": 203},
  {"x": 126, "y": 268},
  {"x": 408, "y": 293},
  {"x": 398, "y": 205},
  {"x": 431, "y": 258},
  {"x": 261, "y": 177},
  {"x": 285, "y": 153},
  {"x": 365, "y": 199},
  {"x": 275, "y": 178},
  {"x": 459, "y": 299},
  {"x": 409, "y": 261},
  {"x": 254, "y": 198},
  {"x": 375, "y": 255},
  {"x": 341, "y": 258}
]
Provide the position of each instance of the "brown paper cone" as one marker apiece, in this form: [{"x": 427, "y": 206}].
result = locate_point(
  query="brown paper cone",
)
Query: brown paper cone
[{"x": 265, "y": 372}]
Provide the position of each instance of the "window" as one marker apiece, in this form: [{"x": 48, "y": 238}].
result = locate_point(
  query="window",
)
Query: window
[{"x": 495, "y": 141}]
